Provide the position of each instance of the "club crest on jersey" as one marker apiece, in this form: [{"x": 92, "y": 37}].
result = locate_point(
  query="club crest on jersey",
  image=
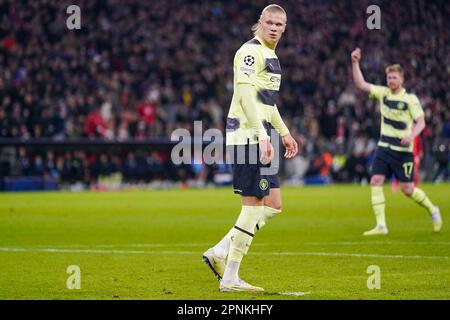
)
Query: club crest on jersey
[
  {"x": 401, "y": 106},
  {"x": 249, "y": 60},
  {"x": 263, "y": 184}
]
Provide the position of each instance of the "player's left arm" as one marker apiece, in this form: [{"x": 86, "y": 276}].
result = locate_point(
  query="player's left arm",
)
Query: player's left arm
[
  {"x": 419, "y": 121},
  {"x": 288, "y": 141},
  {"x": 417, "y": 128}
]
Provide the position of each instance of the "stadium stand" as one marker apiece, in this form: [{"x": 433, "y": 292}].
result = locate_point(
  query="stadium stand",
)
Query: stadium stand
[{"x": 121, "y": 78}]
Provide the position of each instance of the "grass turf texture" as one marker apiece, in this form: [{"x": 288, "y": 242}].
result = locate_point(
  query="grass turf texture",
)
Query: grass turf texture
[{"x": 148, "y": 245}]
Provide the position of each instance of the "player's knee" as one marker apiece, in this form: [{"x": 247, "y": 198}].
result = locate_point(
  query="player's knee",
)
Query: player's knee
[
  {"x": 407, "y": 189},
  {"x": 252, "y": 201},
  {"x": 376, "y": 181},
  {"x": 274, "y": 205},
  {"x": 277, "y": 206}
]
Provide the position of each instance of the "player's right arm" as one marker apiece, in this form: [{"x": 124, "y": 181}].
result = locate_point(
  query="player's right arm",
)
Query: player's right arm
[
  {"x": 358, "y": 77},
  {"x": 247, "y": 95},
  {"x": 247, "y": 64}
]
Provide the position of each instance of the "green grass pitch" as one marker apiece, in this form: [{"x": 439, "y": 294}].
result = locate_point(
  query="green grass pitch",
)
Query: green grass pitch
[{"x": 148, "y": 245}]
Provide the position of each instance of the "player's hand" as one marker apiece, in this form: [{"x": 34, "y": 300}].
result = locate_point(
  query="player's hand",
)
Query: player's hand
[
  {"x": 406, "y": 141},
  {"x": 356, "y": 55},
  {"x": 266, "y": 151},
  {"x": 291, "y": 146}
]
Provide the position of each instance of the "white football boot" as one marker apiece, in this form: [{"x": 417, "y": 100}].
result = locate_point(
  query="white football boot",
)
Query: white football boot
[
  {"x": 238, "y": 286},
  {"x": 378, "y": 230},
  {"x": 216, "y": 264},
  {"x": 437, "y": 220}
]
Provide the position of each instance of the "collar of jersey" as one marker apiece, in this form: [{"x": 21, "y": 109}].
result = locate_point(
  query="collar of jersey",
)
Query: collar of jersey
[
  {"x": 403, "y": 91},
  {"x": 262, "y": 43}
]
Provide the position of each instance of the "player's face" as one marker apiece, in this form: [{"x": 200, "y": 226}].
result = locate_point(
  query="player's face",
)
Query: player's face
[
  {"x": 272, "y": 26},
  {"x": 394, "y": 80}
]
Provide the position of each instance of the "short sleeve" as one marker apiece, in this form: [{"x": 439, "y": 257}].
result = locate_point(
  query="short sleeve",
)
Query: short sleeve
[
  {"x": 247, "y": 65},
  {"x": 416, "y": 108},
  {"x": 376, "y": 92}
]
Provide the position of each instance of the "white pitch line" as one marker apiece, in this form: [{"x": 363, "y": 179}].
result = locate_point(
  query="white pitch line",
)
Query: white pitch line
[
  {"x": 295, "y": 293},
  {"x": 335, "y": 254},
  {"x": 54, "y": 250},
  {"x": 133, "y": 245},
  {"x": 359, "y": 255},
  {"x": 207, "y": 245},
  {"x": 345, "y": 243}
]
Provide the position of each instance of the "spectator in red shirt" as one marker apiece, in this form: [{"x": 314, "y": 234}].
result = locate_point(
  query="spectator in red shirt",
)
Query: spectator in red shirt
[
  {"x": 95, "y": 125},
  {"x": 147, "y": 112}
]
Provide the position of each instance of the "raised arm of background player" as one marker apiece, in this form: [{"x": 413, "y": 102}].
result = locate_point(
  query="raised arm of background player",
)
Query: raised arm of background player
[
  {"x": 358, "y": 77},
  {"x": 361, "y": 84}
]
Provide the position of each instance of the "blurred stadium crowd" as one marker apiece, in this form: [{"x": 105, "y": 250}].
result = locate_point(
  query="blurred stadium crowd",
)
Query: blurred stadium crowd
[{"x": 140, "y": 69}]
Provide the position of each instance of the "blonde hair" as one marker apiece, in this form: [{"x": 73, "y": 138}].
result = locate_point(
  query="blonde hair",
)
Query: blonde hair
[
  {"x": 395, "y": 68},
  {"x": 269, "y": 8}
]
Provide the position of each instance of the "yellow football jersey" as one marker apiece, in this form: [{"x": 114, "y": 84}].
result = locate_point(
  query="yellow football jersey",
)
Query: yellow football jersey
[
  {"x": 398, "y": 112},
  {"x": 258, "y": 65}
]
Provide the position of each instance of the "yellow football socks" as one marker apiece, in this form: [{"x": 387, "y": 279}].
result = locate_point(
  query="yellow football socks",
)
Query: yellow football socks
[
  {"x": 268, "y": 214},
  {"x": 243, "y": 231},
  {"x": 421, "y": 198},
  {"x": 378, "y": 205}
]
